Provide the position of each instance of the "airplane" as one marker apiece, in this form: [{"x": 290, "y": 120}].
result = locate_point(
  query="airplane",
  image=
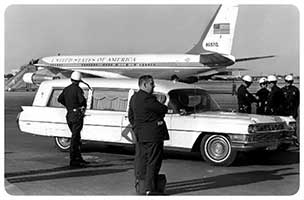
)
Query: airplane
[{"x": 211, "y": 55}]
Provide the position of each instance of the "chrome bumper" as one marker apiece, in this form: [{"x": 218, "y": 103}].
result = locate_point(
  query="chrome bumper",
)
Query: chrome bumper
[{"x": 267, "y": 141}]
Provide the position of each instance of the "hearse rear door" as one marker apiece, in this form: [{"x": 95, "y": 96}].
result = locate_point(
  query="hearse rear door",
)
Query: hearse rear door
[{"x": 103, "y": 120}]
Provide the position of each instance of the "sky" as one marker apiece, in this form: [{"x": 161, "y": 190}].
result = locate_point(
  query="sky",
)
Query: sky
[{"x": 33, "y": 31}]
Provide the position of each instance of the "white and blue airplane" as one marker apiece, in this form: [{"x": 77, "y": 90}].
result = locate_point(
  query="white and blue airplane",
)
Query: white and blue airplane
[{"x": 211, "y": 55}]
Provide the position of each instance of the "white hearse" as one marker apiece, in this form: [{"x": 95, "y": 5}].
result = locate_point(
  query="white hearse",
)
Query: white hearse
[{"x": 194, "y": 119}]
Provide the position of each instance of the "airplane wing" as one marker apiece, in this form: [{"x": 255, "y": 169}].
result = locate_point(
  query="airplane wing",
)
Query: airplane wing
[
  {"x": 218, "y": 70},
  {"x": 253, "y": 58},
  {"x": 211, "y": 58},
  {"x": 103, "y": 74},
  {"x": 233, "y": 69},
  {"x": 225, "y": 77}
]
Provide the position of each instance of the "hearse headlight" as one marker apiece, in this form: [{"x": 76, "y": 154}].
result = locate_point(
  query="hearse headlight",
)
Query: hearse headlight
[
  {"x": 252, "y": 128},
  {"x": 240, "y": 137}
]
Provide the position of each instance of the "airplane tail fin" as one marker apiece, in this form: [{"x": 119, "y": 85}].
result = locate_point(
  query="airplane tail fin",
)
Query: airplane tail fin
[{"x": 218, "y": 36}]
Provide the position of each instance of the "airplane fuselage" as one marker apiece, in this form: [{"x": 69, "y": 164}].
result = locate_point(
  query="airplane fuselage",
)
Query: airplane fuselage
[{"x": 182, "y": 65}]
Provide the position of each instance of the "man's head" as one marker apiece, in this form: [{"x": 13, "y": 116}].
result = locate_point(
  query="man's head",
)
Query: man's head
[
  {"x": 263, "y": 82},
  {"x": 76, "y": 77},
  {"x": 247, "y": 80},
  {"x": 272, "y": 80},
  {"x": 146, "y": 83},
  {"x": 289, "y": 79}
]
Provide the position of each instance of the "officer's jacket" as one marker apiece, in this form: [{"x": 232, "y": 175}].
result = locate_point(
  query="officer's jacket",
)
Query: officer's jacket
[
  {"x": 244, "y": 96},
  {"x": 72, "y": 97},
  {"x": 292, "y": 96},
  {"x": 146, "y": 116},
  {"x": 263, "y": 95},
  {"x": 276, "y": 101}
]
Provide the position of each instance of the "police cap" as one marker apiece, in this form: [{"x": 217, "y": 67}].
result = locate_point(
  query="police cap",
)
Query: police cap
[
  {"x": 247, "y": 78},
  {"x": 289, "y": 78},
  {"x": 271, "y": 78},
  {"x": 263, "y": 80},
  {"x": 76, "y": 76}
]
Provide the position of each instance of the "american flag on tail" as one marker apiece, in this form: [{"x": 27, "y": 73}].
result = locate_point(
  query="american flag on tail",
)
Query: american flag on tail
[{"x": 221, "y": 28}]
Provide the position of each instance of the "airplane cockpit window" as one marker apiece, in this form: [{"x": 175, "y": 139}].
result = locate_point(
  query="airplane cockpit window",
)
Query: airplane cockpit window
[{"x": 191, "y": 101}]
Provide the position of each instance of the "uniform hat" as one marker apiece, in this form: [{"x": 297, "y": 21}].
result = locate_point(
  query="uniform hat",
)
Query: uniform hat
[
  {"x": 288, "y": 78},
  {"x": 76, "y": 76},
  {"x": 247, "y": 78},
  {"x": 263, "y": 80},
  {"x": 271, "y": 78}
]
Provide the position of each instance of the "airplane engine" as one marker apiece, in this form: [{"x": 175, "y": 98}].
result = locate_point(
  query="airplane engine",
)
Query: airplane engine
[{"x": 36, "y": 79}]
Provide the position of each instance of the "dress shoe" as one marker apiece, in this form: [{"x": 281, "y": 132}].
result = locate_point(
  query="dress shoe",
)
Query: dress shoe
[
  {"x": 153, "y": 193},
  {"x": 84, "y": 161},
  {"x": 81, "y": 160},
  {"x": 76, "y": 164}
]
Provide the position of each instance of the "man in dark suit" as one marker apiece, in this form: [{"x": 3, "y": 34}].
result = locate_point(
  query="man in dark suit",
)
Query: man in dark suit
[{"x": 146, "y": 116}]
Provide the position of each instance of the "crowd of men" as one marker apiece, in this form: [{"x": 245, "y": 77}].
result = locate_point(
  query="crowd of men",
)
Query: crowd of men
[{"x": 270, "y": 99}]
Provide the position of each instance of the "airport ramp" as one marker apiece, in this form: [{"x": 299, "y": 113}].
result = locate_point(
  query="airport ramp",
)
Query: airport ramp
[{"x": 16, "y": 82}]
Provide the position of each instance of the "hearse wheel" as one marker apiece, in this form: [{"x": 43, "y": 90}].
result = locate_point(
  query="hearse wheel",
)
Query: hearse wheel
[
  {"x": 62, "y": 143},
  {"x": 216, "y": 149}
]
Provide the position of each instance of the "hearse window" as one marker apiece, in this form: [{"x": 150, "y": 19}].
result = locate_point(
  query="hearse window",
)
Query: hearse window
[
  {"x": 110, "y": 99},
  {"x": 55, "y": 94},
  {"x": 191, "y": 101}
]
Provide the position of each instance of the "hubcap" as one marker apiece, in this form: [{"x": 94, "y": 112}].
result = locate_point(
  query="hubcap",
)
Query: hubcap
[
  {"x": 63, "y": 143},
  {"x": 217, "y": 148}
]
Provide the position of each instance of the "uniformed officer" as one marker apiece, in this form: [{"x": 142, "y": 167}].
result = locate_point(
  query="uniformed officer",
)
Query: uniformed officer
[
  {"x": 73, "y": 99},
  {"x": 146, "y": 116},
  {"x": 245, "y": 98},
  {"x": 262, "y": 95},
  {"x": 276, "y": 100},
  {"x": 292, "y": 95}
]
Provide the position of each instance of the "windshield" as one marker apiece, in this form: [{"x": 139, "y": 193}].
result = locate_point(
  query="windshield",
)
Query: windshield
[{"x": 191, "y": 101}]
